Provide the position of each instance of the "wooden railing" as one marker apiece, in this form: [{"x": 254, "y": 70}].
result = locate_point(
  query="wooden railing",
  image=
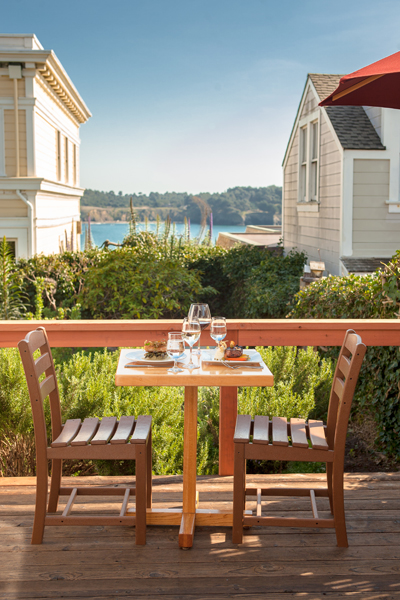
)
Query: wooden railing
[
  {"x": 264, "y": 332},
  {"x": 247, "y": 332}
]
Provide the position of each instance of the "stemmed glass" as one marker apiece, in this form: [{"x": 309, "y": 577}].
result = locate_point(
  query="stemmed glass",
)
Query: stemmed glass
[
  {"x": 218, "y": 329},
  {"x": 202, "y": 313},
  {"x": 175, "y": 349},
  {"x": 191, "y": 333}
]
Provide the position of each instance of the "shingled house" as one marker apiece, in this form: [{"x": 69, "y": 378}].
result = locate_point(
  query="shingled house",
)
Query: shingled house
[{"x": 341, "y": 182}]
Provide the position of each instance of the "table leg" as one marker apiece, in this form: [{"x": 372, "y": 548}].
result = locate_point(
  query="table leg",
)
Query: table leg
[
  {"x": 227, "y": 423},
  {"x": 186, "y": 531}
]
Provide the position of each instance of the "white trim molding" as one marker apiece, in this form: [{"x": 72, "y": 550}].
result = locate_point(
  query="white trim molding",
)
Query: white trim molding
[
  {"x": 308, "y": 207},
  {"x": 346, "y": 209}
]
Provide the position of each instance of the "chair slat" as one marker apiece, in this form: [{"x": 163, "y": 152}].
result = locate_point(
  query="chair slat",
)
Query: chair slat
[
  {"x": 142, "y": 430},
  {"x": 105, "y": 431},
  {"x": 351, "y": 342},
  {"x": 298, "y": 433},
  {"x": 259, "y": 500},
  {"x": 47, "y": 386},
  {"x": 313, "y": 504},
  {"x": 261, "y": 430},
  {"x": 124, "y": 430},
  {"x": 36, "y": 339},
  {"x": 86, "y": 433},
  {"x": 279, "y": 431},
  {"x": 242, "y": 429},
  {"x": 68, "y": 433},
  {"x": 70, "y": 502},
  {"x": 344, "y": 365},
  {"x": 339, "y": 387},
  {"x": 42, "y": 364},
  {"x": 317, "y": 435}
]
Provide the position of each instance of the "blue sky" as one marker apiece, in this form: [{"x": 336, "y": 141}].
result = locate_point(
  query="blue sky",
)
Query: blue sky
[{"x": 198, "y": 95}]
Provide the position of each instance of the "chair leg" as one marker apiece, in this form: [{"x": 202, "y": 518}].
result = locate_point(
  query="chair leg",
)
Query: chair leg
[
  {"x": 41, "y": 501},
  {"x": 55, "y": 484},
  {"x": 141, "y": 493},
  {"x": 338, "y": 508},
  {"x": 329, "y": 484},
  {"x": 239, "y": 490},
  {"x": 149, "y": 473}
]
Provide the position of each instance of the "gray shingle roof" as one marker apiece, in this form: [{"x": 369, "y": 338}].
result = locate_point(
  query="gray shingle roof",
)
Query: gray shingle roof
[
  {"x": 351, "y": 123},
  {"x": 353, "y": 128},
  {"x": 363, "y": 265},
  {"x": 324, "y": 84}
]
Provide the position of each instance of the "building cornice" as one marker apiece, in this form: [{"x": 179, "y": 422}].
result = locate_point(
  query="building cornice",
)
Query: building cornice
[
  {"x": 52, "y": 71},
  {"x": 38, "y": 184}
]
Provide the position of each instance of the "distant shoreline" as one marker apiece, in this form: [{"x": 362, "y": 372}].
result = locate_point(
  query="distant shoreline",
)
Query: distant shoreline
[{"x": 127, "y": 223}]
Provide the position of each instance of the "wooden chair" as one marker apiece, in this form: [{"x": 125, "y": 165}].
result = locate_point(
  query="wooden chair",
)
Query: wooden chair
[
  {"x": 107, "y": 439},
  {"x": 300, "y": 441}
]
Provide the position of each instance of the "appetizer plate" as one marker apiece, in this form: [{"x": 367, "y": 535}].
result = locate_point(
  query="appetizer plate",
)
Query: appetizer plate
[
  {"x": 254, "y": 358},
  {"x": 138, "y": 356}
]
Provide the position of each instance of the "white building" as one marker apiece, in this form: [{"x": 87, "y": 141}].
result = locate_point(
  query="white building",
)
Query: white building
[
  {"x": 341, "y": 191},
  {"x": 39, "y": 150}
]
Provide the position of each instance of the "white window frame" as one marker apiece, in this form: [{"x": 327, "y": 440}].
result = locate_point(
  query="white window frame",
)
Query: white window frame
[
  {"x": 74, "y": 167},
  {"x": 308, "y": 202},
  {"x": 59, "y": 161},
  {"x": 66, "y": 159}
]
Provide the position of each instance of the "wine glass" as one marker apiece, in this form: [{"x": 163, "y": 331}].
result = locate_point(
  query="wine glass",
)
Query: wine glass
[
  {"x": 175, "y": 349},
  {"x": 218, "y": 329},
  {"x": 191, "y": 333},
  {"x": 202, "y": 313}
]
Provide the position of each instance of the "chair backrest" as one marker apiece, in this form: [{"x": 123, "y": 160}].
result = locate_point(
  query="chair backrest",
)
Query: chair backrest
[
  {"x": 39, "y": 390},
  {"x": 344, "y": 383}
]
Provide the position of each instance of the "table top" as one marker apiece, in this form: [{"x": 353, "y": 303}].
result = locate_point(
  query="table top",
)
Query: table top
[{"x": 206, "y": 375}]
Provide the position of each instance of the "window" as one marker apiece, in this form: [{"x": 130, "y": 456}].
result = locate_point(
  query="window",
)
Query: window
[
  {"x": 308, "y": 160},
  {"x": 314, "y": 162},
  {"x": 303, "y": 164},
  {"x": 66, "y": 159},
  {"x": 74, "y": 165},
  {"x": 58, "y": 155},
  {"x": 12, "y": 246}
]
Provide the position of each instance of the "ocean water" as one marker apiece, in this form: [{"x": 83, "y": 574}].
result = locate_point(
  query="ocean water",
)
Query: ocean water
[{"x": 115, "y": 232}]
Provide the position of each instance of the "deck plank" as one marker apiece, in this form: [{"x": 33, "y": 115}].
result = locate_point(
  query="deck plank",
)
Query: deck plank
[{"x": 104, "y": 563}]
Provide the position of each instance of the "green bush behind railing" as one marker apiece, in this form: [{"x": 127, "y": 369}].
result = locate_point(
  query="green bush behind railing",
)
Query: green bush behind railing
[
  {"x": 86, "y": 384},
  {"x": 369, "y": 297}
]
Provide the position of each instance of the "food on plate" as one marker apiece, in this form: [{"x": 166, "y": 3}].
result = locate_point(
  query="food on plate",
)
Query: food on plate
[
  {"x": 234, "y": 351},
  {"x": 155, "y": 350},
  {"x": 220, "y": 351}
]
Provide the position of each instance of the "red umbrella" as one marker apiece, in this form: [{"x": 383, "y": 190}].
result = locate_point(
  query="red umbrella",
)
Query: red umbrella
[{"x": 375, "y": 85}]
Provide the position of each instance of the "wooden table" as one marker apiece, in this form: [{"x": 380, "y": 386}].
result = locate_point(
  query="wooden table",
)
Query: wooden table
[{"x": 217, "y": 375}]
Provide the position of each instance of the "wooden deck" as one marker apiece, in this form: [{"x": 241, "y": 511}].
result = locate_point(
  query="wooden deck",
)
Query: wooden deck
[{"x": 272, "y": 564}]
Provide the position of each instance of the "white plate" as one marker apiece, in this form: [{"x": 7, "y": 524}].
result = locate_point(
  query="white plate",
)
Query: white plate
[
  {"x": 254, "y": 357},
  {"x": 138, "y": 355}
]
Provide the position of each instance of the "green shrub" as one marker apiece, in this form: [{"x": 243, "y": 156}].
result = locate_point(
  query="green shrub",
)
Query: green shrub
[
  {"x": 87, "y": 389},
  {"x": 263, "y": 283},
  {"x": 301, "y": 382},
  {"x": 125, "y": 286},
  {"x": 352, "y": 297},
  {"x": 15, "y": 407},
  {"x": 11, "y": 295},
  {"x": 86, "y": 385},
  {"x": 372, "y": 296},
  {"x": 171, "y": 271},
  {"x": 62, "y": 276}
]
